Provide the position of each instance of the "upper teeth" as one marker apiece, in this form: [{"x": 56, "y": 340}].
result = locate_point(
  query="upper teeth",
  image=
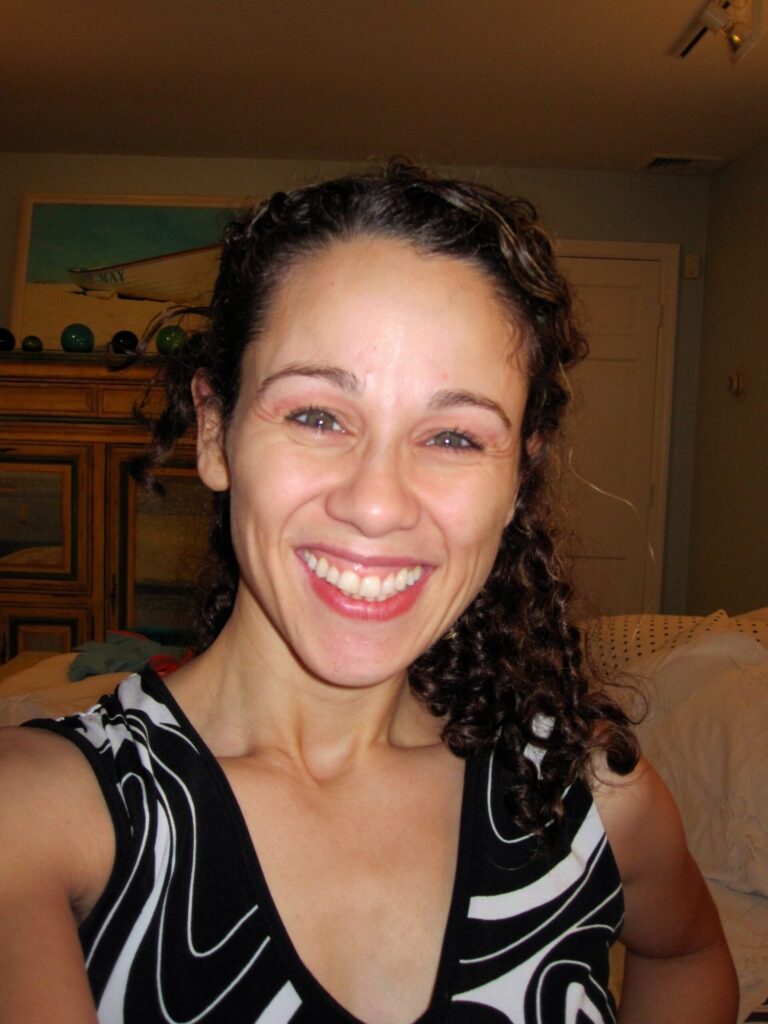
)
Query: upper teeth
[{"x": 366, "y": 588}]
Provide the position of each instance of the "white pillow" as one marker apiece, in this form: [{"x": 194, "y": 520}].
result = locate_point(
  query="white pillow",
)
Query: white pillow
[
  {"x": 754, "y": 624},
  {"x": 707, "y": 735},
  {"x": 616, "y": 642}
]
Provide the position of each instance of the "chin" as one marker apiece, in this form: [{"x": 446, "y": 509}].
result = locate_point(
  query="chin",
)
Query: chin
[
  {"x": 347, "y": 678},
  {"x": 356, "y": 666}
]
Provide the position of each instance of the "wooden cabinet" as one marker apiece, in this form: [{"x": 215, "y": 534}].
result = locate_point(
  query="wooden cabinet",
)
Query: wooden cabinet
[
  {"x": 83, "y": 548},
  {"x": 155, "y": 543}
]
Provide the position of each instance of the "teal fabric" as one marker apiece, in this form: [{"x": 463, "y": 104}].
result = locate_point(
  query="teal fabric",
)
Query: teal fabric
[{"x": 120, "y": 652}]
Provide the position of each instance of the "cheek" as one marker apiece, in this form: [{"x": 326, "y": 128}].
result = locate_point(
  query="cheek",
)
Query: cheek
[
  {"x": 267, "y": 488},
  {"x": 475, "y": 512},
  {"x": 472, "y": 541}
]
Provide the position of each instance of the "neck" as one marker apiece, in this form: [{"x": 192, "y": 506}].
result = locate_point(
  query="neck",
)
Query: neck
[{"x": 245, "y": 704}]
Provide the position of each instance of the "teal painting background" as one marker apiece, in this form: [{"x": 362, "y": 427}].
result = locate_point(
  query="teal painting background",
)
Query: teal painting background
[{"x": 65, "y": 236}]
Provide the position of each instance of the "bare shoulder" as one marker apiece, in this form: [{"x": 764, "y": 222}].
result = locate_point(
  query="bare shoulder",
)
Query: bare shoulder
[
  {"x": 54, "y": 823},
  {"x": 639, "y": 815},
  {"x": 37, "y": 757},
  {"x": 668, "y": 909},
  {"x": 56, "y": 850}
]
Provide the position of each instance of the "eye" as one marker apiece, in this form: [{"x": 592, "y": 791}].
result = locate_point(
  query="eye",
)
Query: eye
[
  {"x": 316, "y": 419},
  {"x": 455, "y": 440}
]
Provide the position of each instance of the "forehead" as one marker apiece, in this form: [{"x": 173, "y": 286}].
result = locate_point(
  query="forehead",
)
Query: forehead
[{"x": 381, "y": 303}]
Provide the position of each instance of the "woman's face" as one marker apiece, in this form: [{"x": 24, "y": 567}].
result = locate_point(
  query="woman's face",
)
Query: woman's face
[{"x": 372, "y": 457}]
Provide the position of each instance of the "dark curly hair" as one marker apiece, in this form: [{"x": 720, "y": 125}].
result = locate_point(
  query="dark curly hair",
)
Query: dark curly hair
[{"x": 511, "y": 671}]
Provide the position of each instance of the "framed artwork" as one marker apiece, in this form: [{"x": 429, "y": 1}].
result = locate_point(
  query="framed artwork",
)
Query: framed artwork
[{"x": 112, "y": 263}]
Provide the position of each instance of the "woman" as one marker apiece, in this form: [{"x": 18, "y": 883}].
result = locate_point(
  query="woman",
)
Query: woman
[{"x": 286, "y": 832}]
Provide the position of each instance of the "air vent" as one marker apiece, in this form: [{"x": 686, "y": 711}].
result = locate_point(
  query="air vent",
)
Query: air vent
[{"x": 685, "y": 165}]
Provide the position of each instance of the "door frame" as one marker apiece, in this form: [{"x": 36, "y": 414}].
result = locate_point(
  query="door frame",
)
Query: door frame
[{"x": 667, "y": 255}]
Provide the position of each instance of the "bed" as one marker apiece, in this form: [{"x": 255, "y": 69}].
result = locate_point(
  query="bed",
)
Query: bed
[{"x": 706, "y": 731}]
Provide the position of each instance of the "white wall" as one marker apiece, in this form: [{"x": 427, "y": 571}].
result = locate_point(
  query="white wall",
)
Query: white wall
[
  {"x": 729, "y": 538},
  {"x": 573, "y": 204}
]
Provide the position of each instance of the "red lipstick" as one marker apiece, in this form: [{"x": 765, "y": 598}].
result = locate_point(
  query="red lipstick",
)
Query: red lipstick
[{"x": 367, "y": 611}]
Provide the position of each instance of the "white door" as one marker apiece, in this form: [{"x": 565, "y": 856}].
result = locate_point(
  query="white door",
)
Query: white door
[{"x": 617, "y": 435}]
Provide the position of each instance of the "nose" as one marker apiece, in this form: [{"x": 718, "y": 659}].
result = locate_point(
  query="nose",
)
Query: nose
[{"x": 375, "y": 494}]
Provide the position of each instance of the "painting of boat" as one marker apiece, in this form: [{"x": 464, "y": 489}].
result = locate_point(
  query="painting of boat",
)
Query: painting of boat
[{"x": 185, "y": 278}]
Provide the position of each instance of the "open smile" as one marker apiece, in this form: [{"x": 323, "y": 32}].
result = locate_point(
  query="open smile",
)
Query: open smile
[{"x": 368, "y": 587}]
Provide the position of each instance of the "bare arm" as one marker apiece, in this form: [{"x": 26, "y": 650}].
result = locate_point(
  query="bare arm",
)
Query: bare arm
[
  {"x": 677, "y": 966},
  {"x": 56, "y": 850}
]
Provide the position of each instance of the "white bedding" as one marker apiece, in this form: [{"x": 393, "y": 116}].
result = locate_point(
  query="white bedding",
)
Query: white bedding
[
  {"x": 43, "y": 689},
  {"x": 706, "y": 733}
]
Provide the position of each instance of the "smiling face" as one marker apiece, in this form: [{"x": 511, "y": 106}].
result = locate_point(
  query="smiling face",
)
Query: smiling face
[{"x": 372, "y": 458}]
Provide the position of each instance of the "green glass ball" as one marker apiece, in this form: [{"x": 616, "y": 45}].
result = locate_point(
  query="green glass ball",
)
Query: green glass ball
[
  {"x": 32, "y": 343},
  {"x": 171, "y": 340},
  {"x": 77, "y": 338},
  {"x": 7, "y": 339}
]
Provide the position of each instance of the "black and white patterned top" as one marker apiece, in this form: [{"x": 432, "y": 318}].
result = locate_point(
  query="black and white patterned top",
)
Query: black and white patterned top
[
  {"x": 186, "y": 930},
  {"x": 760, "y": 1013}
]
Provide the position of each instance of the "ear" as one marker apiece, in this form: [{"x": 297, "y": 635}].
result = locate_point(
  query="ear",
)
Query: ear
[
  {"x": 212, "y": 462},
  {"x": 533, "y": 445}
]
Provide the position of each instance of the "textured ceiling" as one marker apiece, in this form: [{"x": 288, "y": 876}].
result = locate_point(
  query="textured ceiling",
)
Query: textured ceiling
[{"x": 555, "y": 83}]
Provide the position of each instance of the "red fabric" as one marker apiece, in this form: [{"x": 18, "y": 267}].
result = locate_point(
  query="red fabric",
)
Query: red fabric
[{"x": 165, "y": 664}]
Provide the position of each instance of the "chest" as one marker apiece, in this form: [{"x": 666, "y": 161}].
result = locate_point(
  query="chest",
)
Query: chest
[
  {"x": 362, "y": 880},
  {"x": 229, "y": 901}
]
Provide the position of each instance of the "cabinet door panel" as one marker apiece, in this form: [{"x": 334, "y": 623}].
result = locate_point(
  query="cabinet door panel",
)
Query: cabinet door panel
[
  {"x": 157, "y": 545},
  {"x": 32, "y": 399},
  {"x": 36, "y": 627},
  {"x": 44, "y": 517}
]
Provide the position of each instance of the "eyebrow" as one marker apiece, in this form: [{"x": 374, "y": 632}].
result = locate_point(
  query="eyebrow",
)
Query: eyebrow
[
  {"x": 352, "y": 384},
  {"x": 452, "y": 399},
  {"x": 333, "y": 374}
]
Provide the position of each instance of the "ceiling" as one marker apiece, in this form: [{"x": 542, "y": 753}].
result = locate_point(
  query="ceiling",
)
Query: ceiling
[{"x": 554, "y": 83}]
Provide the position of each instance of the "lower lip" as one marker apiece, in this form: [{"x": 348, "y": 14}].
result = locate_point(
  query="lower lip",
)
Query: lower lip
[{"x": 369, "y": 611}]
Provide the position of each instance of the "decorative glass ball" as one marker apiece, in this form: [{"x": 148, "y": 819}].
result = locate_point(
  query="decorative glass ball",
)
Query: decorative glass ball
[
  {"x": 77, "y": 338},
  {"x": 7, "y": 339},
  {"x": 32, "y": 343},
  {"x": 171, "y": 340},
  {"x": 124, "y": 341}
]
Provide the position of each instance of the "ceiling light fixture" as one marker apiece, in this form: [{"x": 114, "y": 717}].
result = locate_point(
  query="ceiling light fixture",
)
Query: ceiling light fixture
[{"x": 716, "y": 16}]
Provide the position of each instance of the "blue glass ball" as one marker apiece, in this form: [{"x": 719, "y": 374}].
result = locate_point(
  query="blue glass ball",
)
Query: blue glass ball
[
  {"x": 124, "y": 341},
  {"x": 7, "y": 339},
  {"x": 32, "y": 343},
  {"x": 77, "y": 338}
]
